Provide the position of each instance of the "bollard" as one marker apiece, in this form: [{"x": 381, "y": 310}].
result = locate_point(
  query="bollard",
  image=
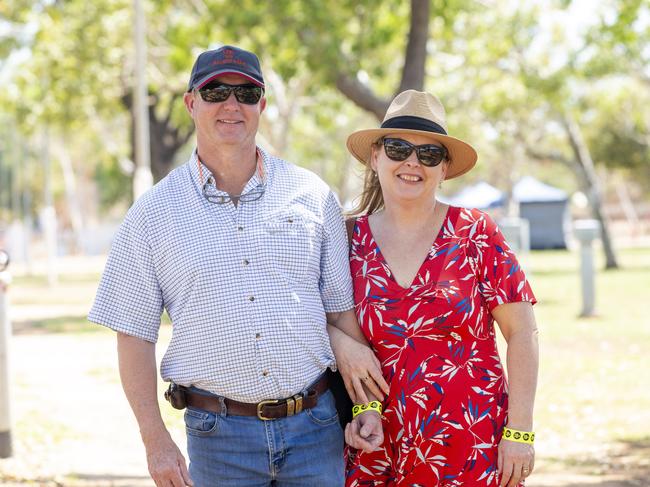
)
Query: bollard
[
  {"x": 517, "y": 233},
  {"x": 586, "y": 231},
  {"x": 5, "y": 333}
]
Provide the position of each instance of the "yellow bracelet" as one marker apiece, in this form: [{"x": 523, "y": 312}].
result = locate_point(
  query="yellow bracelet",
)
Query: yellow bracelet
[
  {"x": 519, "y": 436},
  {"x": 357, "y": 409}
]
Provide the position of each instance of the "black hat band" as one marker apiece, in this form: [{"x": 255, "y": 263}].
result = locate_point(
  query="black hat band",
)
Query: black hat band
[{"x": 413, "y": 123}]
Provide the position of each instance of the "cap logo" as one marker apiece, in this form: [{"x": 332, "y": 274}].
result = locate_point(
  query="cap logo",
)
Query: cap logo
[{"x": 228, "y": 58}]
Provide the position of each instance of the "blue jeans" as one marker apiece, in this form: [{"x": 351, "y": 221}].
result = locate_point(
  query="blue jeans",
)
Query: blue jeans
[{"x": 304, "y": 450}]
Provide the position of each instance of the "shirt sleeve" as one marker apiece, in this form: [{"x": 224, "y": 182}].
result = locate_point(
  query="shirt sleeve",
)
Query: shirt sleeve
[
  {"x": 335, "y": 280},
  {"x": 501, "y": 279},
  {"x": 129, "y": 299}
]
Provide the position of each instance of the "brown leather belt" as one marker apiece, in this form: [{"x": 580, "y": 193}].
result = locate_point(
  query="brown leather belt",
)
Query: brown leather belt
[{"x": 264, "y": 410}]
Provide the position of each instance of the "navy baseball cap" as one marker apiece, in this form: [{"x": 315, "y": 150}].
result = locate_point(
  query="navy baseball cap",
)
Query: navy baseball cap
[{"x": 225, "y": 60}]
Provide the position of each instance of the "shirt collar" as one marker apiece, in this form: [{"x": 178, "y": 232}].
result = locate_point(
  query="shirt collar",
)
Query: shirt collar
[{"x": 201, "y": 174}]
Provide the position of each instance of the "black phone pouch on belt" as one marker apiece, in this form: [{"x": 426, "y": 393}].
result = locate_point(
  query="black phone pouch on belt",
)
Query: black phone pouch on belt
[{"x": 175, "y": 394}]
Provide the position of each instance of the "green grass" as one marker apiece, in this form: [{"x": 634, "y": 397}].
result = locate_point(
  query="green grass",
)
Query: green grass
[{"x": 594, "y": 380}]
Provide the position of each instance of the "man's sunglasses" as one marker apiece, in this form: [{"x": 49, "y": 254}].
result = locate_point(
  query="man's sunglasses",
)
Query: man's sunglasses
[
  {"x": 429, "y": 155},
  {"x": 219, "y": 92}
]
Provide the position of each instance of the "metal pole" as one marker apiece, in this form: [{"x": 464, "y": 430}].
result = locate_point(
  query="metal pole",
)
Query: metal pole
[
  {"x": 143, "y": 179},
  {"x": 5, "y": 333}
]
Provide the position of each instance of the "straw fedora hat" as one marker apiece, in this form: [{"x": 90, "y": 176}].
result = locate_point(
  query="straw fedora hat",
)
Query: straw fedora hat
[{"x": 416, "y": 112}]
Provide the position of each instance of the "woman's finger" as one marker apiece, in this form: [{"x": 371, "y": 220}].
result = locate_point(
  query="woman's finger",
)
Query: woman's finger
[
  {"x": 381, "y": 382},
  {"x": 349, "y": 387},
  {"x": 371, "y": 384},
  {"x": 516, "y": 476},
  {"x": 506, "y": 474},
  {"x": 361, "y": 397},
  {"x": 500, "y": 461}
]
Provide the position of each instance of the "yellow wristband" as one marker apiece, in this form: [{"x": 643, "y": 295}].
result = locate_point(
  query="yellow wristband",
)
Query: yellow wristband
[
  {"x": 357, "y": 409},
  {"x": 519, "y": 436}
]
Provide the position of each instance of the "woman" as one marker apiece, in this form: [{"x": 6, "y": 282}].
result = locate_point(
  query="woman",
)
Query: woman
[{"x": 429, "y": 282}]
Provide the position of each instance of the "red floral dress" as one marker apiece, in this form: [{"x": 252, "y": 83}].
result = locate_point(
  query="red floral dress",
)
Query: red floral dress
[{"x": 436, "y": 342}]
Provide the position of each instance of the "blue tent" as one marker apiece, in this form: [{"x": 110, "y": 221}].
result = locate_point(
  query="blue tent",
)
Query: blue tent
[
  {"x": 480, "y": 195},
  {"x": 544, "y": 206}
]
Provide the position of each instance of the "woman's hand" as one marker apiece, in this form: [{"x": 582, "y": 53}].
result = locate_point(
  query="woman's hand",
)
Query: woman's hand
[
  {"x": 358, "y": 366},
  {"x": 515, "y": 462}
]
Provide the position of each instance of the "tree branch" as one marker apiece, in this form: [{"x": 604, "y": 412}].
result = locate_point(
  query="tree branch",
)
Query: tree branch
[
  {"x": 416, "y": 47},
  {"x": 361, "y": 95}
]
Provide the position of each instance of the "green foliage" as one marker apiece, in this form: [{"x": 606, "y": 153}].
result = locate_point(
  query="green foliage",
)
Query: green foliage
[{"x": 496, "y": 69}]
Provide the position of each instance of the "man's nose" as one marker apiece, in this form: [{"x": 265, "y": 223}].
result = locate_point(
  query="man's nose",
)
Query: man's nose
[{"x": 231, "y": 101}]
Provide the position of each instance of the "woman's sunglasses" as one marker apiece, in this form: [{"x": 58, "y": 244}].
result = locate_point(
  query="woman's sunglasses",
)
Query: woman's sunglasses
[
  {"x": 429, "y": 155},
  {"x": 219, "y": 92}
]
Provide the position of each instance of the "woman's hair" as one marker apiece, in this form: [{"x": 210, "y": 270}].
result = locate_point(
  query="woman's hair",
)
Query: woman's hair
[{"x": 371, "y": 198}]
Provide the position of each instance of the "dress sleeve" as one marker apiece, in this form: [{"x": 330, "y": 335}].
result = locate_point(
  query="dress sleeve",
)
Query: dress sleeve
[{"x": 501, "y": 278}]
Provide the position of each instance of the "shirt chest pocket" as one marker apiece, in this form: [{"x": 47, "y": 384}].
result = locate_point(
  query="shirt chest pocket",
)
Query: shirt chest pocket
[{"x": 292, "y": 241}]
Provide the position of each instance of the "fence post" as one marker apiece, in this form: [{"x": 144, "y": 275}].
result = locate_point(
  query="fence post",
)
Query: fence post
[
  {"x": 5, "y": 333},
  {"x": 586, "y": 231}
]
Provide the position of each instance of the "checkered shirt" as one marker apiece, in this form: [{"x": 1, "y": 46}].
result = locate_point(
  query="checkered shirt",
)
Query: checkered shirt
[{"x": 246, "y": 287}]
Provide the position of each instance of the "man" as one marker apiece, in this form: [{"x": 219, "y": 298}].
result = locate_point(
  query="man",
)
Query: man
[{"x": 248, "y": 255}]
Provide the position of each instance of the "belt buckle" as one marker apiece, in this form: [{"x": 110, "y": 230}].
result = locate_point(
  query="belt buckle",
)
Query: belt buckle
[{"x": 261, "y": 404}]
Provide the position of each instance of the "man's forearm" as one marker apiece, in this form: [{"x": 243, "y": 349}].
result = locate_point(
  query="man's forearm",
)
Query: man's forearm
[{"x": 137, "y": 362}]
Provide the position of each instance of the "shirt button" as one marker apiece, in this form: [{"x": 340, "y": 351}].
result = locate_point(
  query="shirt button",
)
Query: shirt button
[
  {"x": 265, "y": 373},
  {"x": 251, "y": 298},
  {"x": 240, "y": 228},
  {"x": 246, "y": 262},
  {"x": 258, "y": 335}
]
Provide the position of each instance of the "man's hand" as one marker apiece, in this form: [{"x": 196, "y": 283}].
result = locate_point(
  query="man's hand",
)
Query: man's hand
[
  {"x": 515, "y": 462},
  {"x": 365, "y": 432},
  {"x": 166, "y": 463}
]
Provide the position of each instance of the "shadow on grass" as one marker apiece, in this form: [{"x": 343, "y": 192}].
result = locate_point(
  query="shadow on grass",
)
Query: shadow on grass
[
  {"x": 82, "y": 480},
  {"x": 108, "y": 480},
  {"x": 42, "y": 280},
  {"x": 59, "y": 324},
  {"x": 63, "y": 324},
  {"x": 627, "y": 464}
]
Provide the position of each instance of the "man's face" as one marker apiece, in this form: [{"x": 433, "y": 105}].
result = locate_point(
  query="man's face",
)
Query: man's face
[{"x": 224, "y": 123}]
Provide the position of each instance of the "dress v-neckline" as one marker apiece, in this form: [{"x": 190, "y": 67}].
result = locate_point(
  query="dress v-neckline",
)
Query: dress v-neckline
[{"x": 381, "y": 256}]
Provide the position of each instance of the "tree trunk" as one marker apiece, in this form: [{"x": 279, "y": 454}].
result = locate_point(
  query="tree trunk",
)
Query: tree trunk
[
  {"x": 71, "y": 196},
  {"x": 413, "y": 71},
  {"x": 416, "y": 47},
  {"x": 166, "y": 139},
  {"x": 589, "y": 181}
]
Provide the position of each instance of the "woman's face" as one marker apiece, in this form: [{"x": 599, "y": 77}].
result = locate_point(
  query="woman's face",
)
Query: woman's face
[{"x": 408, "y": 180}]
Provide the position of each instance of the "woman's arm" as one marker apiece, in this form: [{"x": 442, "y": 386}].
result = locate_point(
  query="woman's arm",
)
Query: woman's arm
[
  {"x": 354, "y": 358},
  {"x": 517, "y": 323},
  {"x": 363, "y": 379}
]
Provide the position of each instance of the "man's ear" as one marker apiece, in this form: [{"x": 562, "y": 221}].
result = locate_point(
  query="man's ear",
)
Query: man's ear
[
  {"x": 188, "y": 99},
  {"x": 262, "y": 104}
]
